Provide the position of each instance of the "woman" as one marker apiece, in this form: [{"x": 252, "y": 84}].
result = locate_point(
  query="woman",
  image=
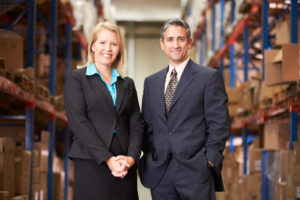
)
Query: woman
[{"x": 104, "y": 115}]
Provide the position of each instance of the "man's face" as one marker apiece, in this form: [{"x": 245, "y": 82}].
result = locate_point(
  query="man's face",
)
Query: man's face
[{"x": 175, "y": 44}]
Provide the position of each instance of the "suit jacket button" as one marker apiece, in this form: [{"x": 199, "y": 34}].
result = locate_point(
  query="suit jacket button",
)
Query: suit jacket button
[{"x": 170, "y": 133}]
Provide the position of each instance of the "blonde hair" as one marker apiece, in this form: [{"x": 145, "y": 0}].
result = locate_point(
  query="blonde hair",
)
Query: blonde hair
[{"x": 119, "y": 62}]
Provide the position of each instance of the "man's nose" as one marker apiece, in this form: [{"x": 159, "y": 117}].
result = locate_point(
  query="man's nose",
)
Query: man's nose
[{"x": 175, "y": 43}]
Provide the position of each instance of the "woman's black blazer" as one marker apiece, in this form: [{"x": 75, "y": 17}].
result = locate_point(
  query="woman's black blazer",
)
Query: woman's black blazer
[{"x": 92, "y": 116}]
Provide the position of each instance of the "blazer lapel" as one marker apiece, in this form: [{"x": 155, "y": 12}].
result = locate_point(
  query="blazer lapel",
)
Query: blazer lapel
[
  {"x": 120, "y": 93},
  {"x": 99, "y": 83},
  {"x": 186, "y": 78},
  {"x": 160, "y": 85}
]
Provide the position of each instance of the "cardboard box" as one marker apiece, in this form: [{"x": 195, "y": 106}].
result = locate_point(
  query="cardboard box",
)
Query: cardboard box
[
  {"x": 25, "y": 196},
  {"x": 280, "y": 191},
  {"x": 290, "y": 62},
  {"x": 255, "y": 163},
  {"x": 35, "y": 176},
  {"x": 43, "y": 155},
  {"x": 4, "y": 195},
  {"x": 282, "y": 31},
  {"x": 43, "y": 185},
  {"x": 7, "y": 144},
  {"x": 71, "y": 193},
  {"x": 240, "y": 190},
  {"x": 293, "y": 191},
  {"x": 36, "y": 192},
  {"x": 7, "y": 172},
  {"x": 233, "y": 95},
  {"x": 11, "y": 50},
  {"x": 265, "y": 95},
  {"x": 58, "y": 186},
  {"x": 35, "y": 158},
  {"x": 22, "y": 172},
  {"x": 21, "y": 197},
  {"x": 282, "y": 65},
  {"x": 246, "y": 96},
  {"x": 254, "y": 184},
  {"x": 273, "y": 71},
  {"x": 279, "y": 93},
  {"x": 233, "y": 109},
  {"x": 45, "y": 137},
  {"x": 283, "y": 156},
  {"x": 276, "y": 135}
]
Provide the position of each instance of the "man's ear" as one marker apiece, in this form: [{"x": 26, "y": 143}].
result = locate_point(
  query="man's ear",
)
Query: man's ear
[
  {"x": 162, "y": 45},
  {"x": 190, "y": 42}
]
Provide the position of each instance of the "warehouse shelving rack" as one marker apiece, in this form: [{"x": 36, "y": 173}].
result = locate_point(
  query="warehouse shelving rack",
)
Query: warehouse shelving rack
[
  {"x": 31, "y": 103},
  {"x": 291, "y": 105}
]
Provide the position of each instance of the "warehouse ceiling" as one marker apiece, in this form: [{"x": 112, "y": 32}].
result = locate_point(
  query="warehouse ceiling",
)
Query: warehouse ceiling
[{"x": 145, "y": 10}]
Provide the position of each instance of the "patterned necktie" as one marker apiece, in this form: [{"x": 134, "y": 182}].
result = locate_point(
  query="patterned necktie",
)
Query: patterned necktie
[{"x": 170, "y": 90}]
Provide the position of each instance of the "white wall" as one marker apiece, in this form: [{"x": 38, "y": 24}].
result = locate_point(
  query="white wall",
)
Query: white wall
[{"x": 148, "y": 56}]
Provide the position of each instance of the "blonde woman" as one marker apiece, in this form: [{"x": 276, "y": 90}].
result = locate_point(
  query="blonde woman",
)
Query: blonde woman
[{"x": 104, "y": 115}]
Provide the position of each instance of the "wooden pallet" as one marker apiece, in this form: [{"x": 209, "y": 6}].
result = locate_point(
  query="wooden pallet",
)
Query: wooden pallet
[
  {"x": 42, "y": 92},
  {"x": 24, "y": 82},
  {"x": 4, "y": 72},
  {"x": 58, "y": 102}
]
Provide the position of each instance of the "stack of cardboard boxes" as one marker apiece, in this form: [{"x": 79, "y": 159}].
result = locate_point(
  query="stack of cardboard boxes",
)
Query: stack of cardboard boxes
[
  {"x": 17, "y": 166},
  {"x": 40, "y": 167},
  {"x": 230, "y": 174},
  {"x": 283, "y": 64},
  {"x": 293, "y": 173},
  {"x": 14, "y": 171},
  {"x": 254, "y": 179},
  {"x": 7, "y": 167}
]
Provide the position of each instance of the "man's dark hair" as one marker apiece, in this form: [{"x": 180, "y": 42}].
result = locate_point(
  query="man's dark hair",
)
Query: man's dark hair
[{"x": 175, "y": 22}]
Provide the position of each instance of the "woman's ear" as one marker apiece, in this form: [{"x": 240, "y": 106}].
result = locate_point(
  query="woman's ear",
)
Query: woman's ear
[{"x": 92, "y": 47}]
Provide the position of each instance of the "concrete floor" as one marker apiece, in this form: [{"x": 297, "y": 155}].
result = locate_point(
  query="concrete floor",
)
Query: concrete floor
[{"x": 144, "y": 193}]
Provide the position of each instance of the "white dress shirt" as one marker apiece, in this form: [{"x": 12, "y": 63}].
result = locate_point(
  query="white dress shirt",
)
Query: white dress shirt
[{"x": 179, "y": 70}]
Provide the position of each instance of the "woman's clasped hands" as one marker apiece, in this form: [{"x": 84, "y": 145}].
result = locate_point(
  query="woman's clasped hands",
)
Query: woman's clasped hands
[{"x": 119, "y": 165}]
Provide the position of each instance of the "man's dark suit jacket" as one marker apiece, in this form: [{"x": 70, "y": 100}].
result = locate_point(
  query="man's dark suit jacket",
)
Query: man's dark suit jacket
[
  {"x": 195, "y": 130},
  {"x": 92, "y": 116}
]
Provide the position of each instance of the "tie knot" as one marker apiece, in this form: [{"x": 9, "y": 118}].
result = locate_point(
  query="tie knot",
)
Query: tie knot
[{"x": 173, "y": 73}]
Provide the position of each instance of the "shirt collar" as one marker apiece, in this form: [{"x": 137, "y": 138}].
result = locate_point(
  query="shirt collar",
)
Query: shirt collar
[
  {"x": 91, "y": 70},
  {"x": 179, "y": 68}
]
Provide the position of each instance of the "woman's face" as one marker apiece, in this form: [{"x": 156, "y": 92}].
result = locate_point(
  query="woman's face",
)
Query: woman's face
[{"x": 105, "y": 47}]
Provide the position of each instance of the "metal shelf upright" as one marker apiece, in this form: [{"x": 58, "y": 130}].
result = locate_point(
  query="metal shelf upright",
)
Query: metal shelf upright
[
  {"x": 246, "y": 50},
  {"x": 293, "y": 109},
  {"x": 294, "y": 21},
  {"x": 221, "y": 68},
  {"x": 68, "y": 57},
  {"x": 51, "y": 124},
  {"x": 232, "y": 63},
  {"x": 293, "y": 39},
  {"x": 265, "y": 32},
  {"x": 265, "y": 42},
  {"x": 28, "y": 98},
  {"x": 245, "y": 148},
  {"x": 213, "y": 25}
]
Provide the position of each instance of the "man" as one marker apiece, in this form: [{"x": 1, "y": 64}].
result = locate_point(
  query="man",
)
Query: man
[{"x": 187, "y": 123}]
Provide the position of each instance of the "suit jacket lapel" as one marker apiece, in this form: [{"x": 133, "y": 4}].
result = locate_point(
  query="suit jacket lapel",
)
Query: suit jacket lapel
[
  {"x": 186, "y": 78},
  {"x": 99, "y": 83},
  {"x": 120, "y": 93},
  {"x": 160, "y": 85}
]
